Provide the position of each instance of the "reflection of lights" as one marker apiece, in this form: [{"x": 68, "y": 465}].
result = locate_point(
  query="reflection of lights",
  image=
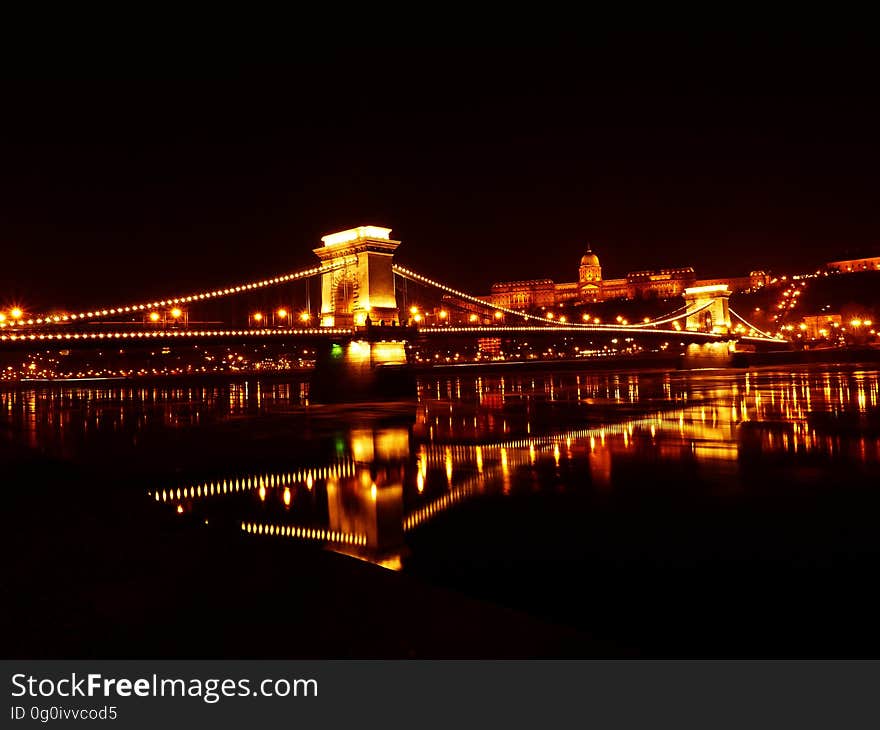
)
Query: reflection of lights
[
  {"x": 420, "y": 482},
  {"x": 309, "y": 482},
  {"x": 180, "y": 509},
  {"x": 373, "y": 491},
  {"x": 479, "y": 459}
]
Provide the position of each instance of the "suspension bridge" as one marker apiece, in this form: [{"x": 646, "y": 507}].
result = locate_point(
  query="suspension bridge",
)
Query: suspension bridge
[{"x": 359, "y": 315}]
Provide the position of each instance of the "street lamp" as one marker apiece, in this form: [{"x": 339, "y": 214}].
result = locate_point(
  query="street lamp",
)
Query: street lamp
[
  {"x": 304, "y": 317},
  {"x": 16, "y": 313}
]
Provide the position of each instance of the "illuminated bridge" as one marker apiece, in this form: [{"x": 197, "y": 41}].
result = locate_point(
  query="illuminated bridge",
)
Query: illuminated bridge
[{"x": 362, "y": 315}]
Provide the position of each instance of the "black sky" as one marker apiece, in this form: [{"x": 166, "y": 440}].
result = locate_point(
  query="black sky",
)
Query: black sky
[{"x": 489, "y": 165}]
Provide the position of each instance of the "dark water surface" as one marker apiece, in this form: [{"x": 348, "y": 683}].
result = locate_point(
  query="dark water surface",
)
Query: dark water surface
[{"x": 719, "y": 513}]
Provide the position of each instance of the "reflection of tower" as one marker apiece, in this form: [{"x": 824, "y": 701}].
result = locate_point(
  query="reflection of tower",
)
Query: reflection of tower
[
  {"x": 600, "y": 467},
  {"x": 371, "y": 502},
  {"x": 590, "y": 277}
]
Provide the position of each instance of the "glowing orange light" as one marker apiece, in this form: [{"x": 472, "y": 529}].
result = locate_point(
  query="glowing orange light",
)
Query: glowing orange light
[
  {"x": 281, "y": 313},
  {"x": 16, "y": 313},
  {"x": 154, "y": 316},
  {"x": 304, "y": 316},
  {"x": 442, "y": 314},
  {"x": 856, "y": 322},
  {"x": 418, "y": 318},
  {"x": 498, "y": 315},
  {"x": 287, "y": 496},
  {"x": 258, "y": 316},
  {"x": 176, "y": 313},
  {"x": 413, "y": 310},
  {"x": 473, "y": 318}
]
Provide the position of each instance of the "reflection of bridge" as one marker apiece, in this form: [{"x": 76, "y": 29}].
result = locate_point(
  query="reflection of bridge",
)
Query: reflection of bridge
[{"x": 361, "y": 288}]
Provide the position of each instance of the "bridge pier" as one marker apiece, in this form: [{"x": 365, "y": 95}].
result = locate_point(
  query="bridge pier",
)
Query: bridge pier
[
  {"x": 359, "y": 370},
  {"x": 719, "y": 354}
]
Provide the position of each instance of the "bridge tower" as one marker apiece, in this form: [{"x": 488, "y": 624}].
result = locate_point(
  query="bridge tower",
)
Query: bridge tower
[
  {"x": 364, "y": 284},
  {"x": 713, "y": 315}
]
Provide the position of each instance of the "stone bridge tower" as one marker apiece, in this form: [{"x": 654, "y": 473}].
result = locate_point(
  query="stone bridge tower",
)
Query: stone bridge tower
[
  {"x": 364, "y": 284},
  {"x": 713, "y": 315}
]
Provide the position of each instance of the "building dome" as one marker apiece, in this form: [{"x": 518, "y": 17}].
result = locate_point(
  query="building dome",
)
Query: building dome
[{"x": 589, "y": 258}]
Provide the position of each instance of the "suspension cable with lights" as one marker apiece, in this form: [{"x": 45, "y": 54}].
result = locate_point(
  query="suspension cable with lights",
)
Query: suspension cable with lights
[
  {"x": 49, "y": 319},
  {"x": 416, "y": 277}
]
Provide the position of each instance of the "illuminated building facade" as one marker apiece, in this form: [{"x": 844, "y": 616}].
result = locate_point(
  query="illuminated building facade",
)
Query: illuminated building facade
[
  {"x": 590, "y": 287},
  {"x": 849, "y": 266}
]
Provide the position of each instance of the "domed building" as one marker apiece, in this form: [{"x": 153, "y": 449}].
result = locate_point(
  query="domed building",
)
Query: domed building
[
  {"x": 590, "y": 287},
  {"x": 590, "y": 277}
]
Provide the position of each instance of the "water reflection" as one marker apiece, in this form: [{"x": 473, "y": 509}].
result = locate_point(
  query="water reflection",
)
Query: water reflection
[{"x": 503, "y": 437}]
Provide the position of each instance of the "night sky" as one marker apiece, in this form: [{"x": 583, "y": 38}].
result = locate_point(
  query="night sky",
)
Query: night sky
[{"x": 489, "y": 165}]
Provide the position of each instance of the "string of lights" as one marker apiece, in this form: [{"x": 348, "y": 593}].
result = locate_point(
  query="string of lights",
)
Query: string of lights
[
  {"x": 751, "y": 326},
  {"x": 49, "y": 319},
  {"x": 174, "y": 334}
]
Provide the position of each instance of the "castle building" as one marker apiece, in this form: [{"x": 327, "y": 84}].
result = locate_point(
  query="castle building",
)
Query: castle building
[
  {"x": 848, "y": 266},
  {"x": 592, "y": 287}
]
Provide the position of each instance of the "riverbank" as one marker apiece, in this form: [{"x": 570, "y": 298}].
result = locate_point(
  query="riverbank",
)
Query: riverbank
[{"x": 644, "y": 362}]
